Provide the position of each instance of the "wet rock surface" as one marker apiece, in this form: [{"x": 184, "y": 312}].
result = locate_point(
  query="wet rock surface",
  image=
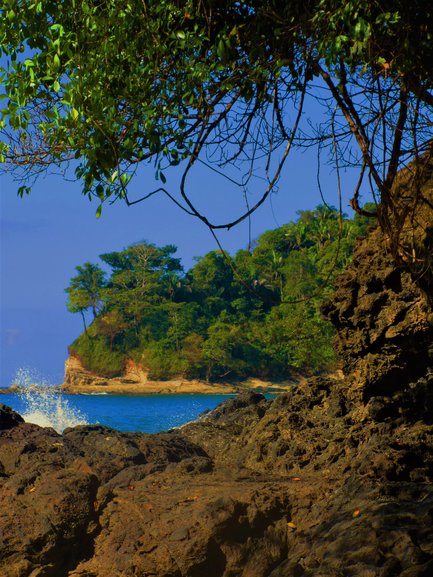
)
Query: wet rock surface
[{"x": 8, "y": 418}]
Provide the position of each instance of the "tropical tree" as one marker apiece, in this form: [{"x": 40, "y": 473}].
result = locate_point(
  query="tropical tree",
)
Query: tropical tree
[
  {"x": 211, "y": 280},
  {"x": 112, "y": 86},
  {"x": 142, "y": 276},
  {"x": 192, "y": 353},
  {"x": 85, "y": 291}
]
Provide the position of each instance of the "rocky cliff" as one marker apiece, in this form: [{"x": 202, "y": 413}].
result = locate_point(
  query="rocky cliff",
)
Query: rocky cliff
[
  {"x": 383, "y": 320},
  {"x": 77, "y": 377},
  {"x": 383, "y": 313},
  {"x": 331, "y": 479}
]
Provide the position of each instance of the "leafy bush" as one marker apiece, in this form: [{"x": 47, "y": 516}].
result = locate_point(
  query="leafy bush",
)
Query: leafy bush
[{"x": 94, "y": 352}]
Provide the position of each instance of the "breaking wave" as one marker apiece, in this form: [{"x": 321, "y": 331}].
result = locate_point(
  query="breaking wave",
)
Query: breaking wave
[{"x": 44, "y": 405}]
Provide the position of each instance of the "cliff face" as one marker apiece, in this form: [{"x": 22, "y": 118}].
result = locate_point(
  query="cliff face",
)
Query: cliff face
[
  {"x": 382, "y": 312},
  {"x": 76, "y": 376},
  {"x": 383, "y": 321}
]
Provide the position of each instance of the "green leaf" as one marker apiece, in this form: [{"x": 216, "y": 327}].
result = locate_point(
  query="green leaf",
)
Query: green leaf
[
  {"x": 98, "y": 211},
  {"x": 23, "y": 190},
  {"x": 58, "y": 27},
  {"x": 222, "y": 49},
  {"x": 56, "y": 62},
  {"x": 100, "y": 192}
]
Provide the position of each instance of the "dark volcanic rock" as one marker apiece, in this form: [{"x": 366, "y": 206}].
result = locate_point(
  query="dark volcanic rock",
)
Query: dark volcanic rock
[
  {"x": 292, "y": 487},
  {"x": 383, "y": 321},
  {"x": 202, "y": 525},
  {"x": 54, "y": 490},
  {"x": 9, "y": 418},
  {"x": 383, "y": 313}
]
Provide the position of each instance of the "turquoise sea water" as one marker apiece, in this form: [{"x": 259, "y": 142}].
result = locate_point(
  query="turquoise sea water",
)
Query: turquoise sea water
[{"x": 144, "y": 413}]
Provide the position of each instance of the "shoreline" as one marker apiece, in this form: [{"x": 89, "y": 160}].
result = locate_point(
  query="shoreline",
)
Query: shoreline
[
  {"x": 172, "y": 387},
  {"x": 135, "y": 381}
]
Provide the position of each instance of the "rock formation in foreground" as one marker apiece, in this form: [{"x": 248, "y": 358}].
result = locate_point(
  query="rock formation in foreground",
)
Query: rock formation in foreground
[
  {"x": 297, "y": 486},
  {"x": 332, "y": 479}
]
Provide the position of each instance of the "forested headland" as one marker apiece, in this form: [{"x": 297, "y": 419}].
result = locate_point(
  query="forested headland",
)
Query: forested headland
[{"x": 256, "y": 314}]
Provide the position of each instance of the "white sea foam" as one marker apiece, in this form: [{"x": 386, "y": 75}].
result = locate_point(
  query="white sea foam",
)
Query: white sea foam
[{"x": 43, "y": 405}]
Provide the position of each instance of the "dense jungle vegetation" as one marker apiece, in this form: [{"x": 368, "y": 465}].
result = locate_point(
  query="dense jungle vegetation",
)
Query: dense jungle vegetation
[{"x": 254, "y": 314}]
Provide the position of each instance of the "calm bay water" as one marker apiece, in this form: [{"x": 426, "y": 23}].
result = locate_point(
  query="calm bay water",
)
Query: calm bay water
[{"x": 144, "y": 413}]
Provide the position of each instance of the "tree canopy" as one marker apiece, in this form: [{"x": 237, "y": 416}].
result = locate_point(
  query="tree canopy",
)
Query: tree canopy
[
  {"x": 111, "y": 86},
  {"x": 254, "y": 314}
]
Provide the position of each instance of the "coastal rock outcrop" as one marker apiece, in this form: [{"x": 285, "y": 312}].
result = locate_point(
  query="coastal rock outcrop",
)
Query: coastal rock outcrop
[
  {"x": 294, "y": 486},
  {"x": 77, "y": 376},
  {"x": 8, "y": 418}
]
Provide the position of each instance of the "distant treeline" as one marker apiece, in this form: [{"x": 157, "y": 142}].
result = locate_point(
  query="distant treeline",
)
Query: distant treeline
[{"x": 256, "y": 314}]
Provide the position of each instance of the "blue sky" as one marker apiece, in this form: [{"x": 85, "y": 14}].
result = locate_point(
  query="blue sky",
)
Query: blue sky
[{"x": 45, "y": 235}]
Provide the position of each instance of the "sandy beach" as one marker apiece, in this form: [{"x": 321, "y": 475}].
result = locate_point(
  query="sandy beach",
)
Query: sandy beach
[{"x": 176, "y": 386}]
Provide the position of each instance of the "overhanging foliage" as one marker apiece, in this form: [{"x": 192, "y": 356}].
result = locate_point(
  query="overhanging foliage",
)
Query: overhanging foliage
[{"x": 111, "y": 86}]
